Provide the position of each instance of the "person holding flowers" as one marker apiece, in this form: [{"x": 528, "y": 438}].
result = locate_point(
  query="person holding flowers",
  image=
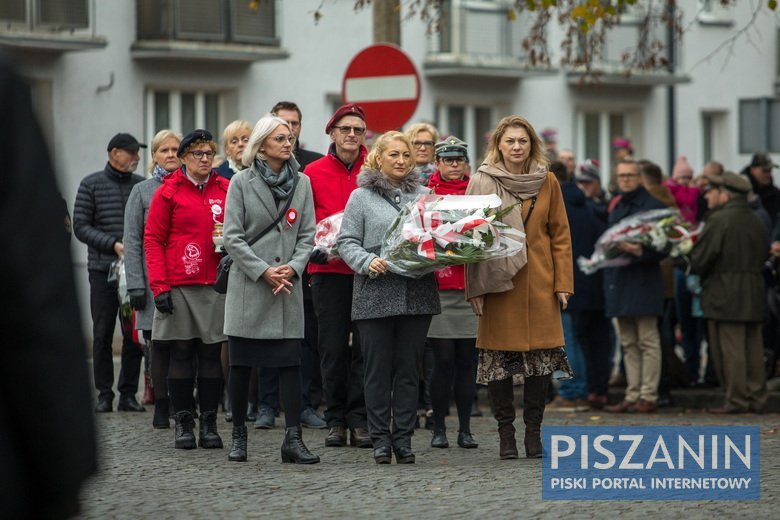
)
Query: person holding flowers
[
  {"x": 392, "y": 312},
  {"x": 270, "y": 205},
  {"x": 453, "y": 332},
  {"x": 519, "y": 298}
]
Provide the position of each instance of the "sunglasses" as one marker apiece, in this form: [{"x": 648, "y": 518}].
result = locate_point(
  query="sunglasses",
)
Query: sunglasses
[{"x": 346, "y": 130}]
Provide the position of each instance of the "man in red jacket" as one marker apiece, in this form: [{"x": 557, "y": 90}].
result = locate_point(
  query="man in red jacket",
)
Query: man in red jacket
[{"x": 333, "y": 178}]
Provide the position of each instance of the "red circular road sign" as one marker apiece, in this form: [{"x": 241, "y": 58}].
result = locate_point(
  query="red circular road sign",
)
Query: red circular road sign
[{"x": 383, "y": 80}]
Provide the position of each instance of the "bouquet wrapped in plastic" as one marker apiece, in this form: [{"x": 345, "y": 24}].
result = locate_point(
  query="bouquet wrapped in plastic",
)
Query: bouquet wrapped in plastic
[
  {"x": 326, "y": 233},
  {"x": 662, "y": 230},
  {"x": 117, "y": 273},
  {"x": 434, "y": 231}
]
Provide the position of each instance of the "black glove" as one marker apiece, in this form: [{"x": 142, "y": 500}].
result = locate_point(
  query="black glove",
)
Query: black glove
[
  {"x": 318, "y": 256},
  {"x": 164, "y": 303},
  {"x": 137, "y": 298}
]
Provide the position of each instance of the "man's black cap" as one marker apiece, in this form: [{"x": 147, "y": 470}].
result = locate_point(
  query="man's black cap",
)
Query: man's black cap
[
  {"x": 195, "y": 135},
  {"x": 125, "y": 142}
]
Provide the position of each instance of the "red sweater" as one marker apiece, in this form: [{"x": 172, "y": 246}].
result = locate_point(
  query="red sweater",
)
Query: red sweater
[
  {"x": 177, "y": 238},
  {"x": 452, "y": 277},
  {"x": 331, "y": 185}
]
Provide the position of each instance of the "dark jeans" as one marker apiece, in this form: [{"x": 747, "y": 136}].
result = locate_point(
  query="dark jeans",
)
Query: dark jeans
[
  {"x": 393, "y": 349},
  {"x": 268, "y": 378},
  {"x": 592, "y": 331},
  {"x": 104, "y": 305},
  {"x": 342, "y": 365}
]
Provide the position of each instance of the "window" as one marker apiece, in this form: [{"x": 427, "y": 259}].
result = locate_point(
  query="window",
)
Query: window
[
  {"x": 470, "y": 122},
  {"x": 714, "y": 135},
  {"x": 183, "y": 111},
  {"x": 759, "y": 125},
  {"x": 49, "y": 15},
  {"x": 230, "y": 21},
  {"x": 713, "y": 12},
  {"x": 595, "y": 131}
]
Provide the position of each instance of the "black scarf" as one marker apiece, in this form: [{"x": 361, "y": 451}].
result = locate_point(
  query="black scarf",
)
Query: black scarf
[{"x": 281, "y": 184}]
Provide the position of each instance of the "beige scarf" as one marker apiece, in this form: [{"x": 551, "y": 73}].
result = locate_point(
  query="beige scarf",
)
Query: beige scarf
[{"x": 496, "y": 275}]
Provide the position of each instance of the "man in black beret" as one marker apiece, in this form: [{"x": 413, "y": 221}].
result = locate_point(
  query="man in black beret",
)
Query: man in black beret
[{"x": 98, "y": 221}]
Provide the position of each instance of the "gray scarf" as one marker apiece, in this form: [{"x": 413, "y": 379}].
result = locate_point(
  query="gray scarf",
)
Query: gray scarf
[{"x": 281, "y": 184}]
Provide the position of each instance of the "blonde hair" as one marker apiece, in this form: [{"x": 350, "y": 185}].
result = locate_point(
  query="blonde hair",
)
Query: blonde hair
[
  {"x": 232, "y": 130},
  {"x": 380, "y": 145},
  {"x": 538, "y": 150},
  {"x": 412, "y": 131},
  {"x": 263, "y": 128},
  {"x": 157, "y": 141}
]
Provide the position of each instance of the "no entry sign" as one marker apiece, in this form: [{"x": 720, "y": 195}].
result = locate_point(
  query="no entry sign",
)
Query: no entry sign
[{"x": 383, "y": 80}]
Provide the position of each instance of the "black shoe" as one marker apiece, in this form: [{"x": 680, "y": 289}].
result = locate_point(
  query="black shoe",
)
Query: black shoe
[
  {"x": 183, "y": 436},
  {"x": 104, "y": 405},
  {"x": 360, "y": 438},
  {"x": 383, "y": 455},
  {"x": 337, "y": 437},
  {"x": 404, "y": 455},
  {"x": 465, "y": 440},
  {"x": 294, "y": 450},
  {"x": 129, "y": 404},
  {"x": 238, "y": 450},
  {"x": 439, "y": 439},
  {"x": 160, "y": 420},
  {"x": 208, "y": 437}
]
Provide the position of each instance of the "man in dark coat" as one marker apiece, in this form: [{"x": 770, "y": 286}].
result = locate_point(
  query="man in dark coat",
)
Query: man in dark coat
[
  {"x": 759, "y": 173},
  {"x": 729, "y": 256},
  {"x": 634, "y": 295},
  {"x": 46, "y": 425},
  {"x": 99, "y": 221}
]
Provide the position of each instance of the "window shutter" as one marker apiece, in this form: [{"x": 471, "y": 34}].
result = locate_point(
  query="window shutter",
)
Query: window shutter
[
  {"x": 200, "y": 19},
  {"x": 253, "y": 26},
  {"x": 71, "y": 14}
]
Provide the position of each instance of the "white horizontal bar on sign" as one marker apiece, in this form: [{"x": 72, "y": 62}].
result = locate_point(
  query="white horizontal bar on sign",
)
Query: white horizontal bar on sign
[{"x": 380, "y": 88}]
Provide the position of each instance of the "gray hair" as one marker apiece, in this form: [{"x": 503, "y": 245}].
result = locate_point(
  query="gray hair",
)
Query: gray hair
[{"x": 263, "y": 128}]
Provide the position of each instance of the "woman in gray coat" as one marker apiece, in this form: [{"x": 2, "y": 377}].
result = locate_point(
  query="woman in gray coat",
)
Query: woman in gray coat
[
  {"x": 392, "y": 312},
  {"x": 264, "y": 300},
  {"x": 164, "y": 161}
]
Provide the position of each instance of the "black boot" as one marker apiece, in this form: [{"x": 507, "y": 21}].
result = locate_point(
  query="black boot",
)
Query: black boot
[
  {"x": 534, "y": 395},
  {"x": 208, "y": 437},
  {"x": 161, "y": 414},
  {"x": 238, "y": 450},
  {"x": 184, "y": 438},
  {"x": 294, "y": 450},
  {"x": 501, "y": 396}
]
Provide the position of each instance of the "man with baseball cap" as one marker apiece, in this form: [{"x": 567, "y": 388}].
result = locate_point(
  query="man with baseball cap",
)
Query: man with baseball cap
[
  {"x": 333, "y": 178},
  {"x": 729, "y": 256},
  {"x": 98, "y": 221}
]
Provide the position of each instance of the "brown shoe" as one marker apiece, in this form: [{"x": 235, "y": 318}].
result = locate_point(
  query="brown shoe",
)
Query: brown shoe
[
  {"x": 643, "y": 406},
  {"x": 726, "y": 409},
  {"x": 337, "y": 437},
  {"x": 622, "y": 407},
  {"x": 360, "y": 437}
]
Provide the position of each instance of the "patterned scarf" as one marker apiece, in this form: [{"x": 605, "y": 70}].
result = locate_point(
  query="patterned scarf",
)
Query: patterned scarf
[
  {"x": 160, "y": 173},
  {"x": 281, "y": 184}
]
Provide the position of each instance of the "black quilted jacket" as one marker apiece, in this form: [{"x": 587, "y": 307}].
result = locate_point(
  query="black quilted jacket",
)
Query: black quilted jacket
[{"x": 99, "y": 214}]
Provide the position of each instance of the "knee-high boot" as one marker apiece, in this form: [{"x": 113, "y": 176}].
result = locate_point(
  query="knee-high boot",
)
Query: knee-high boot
[
  {"x": 501, "y": 395},
  {"x": 534, "y": 395}
]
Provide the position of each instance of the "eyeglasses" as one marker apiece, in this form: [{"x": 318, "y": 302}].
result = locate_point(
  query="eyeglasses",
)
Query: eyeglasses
[
  {"x": 236, "y": 140},
  {"x": 422, "y": 144},
  {"x": 200, "y": 154},
  {"x": 346, "y": 130},
  {"x": 281, "y": 138},
  {"x": 452, "y": 161},
  {"x": 627, "y": 175}
]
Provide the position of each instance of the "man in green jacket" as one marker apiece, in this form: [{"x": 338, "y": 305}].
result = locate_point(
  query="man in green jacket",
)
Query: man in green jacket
[{"x": 729, "y": 257}]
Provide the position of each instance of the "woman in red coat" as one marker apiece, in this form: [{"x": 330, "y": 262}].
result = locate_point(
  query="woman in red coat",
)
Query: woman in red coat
[
  {"x": 453, "y": 332},
  {"x": 182, "y": 264}
]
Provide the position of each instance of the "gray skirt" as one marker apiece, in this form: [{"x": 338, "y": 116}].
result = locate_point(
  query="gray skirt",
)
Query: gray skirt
[
  {"x": 198, "y": 313},
  {"x": 457, "y": 319}
]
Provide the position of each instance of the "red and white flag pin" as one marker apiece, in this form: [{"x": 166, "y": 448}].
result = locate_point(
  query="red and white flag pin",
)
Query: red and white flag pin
[{"x": 292, "y": 217}]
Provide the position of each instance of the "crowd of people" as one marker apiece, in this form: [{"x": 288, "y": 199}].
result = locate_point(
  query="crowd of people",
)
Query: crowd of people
[{"x": 298, "y": 328}]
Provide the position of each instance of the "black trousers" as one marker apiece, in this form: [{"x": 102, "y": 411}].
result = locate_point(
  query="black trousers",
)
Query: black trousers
[
  {"x": 591, "y": 329},
  {"x": 392, "y": 348},
  {"x": 104, "y": 306},
  {"x": 341, "y": 365}
]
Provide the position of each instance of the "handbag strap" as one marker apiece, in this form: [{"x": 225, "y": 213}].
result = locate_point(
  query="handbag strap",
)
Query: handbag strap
[
  {"x": 281, "y": 214},
  {"x": 391, "y": 201},
  {"x": 530, "y": 210}
]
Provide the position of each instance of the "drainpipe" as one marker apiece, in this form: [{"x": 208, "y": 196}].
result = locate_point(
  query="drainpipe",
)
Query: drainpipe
[{"x": 671, "y": 93}]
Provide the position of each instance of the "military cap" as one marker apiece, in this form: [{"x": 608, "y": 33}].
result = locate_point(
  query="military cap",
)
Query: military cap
[
  {"x": 350, "y": 109},
  {"x": 451, "y": 147},
  {"x": 195, "y": 135},
  {"x": 763, "y": 161}
]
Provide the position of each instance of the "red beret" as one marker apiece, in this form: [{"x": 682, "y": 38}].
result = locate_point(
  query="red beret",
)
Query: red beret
[{"x": 350, "y": 109}]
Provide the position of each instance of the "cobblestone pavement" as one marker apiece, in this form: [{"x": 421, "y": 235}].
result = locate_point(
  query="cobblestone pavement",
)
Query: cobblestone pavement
[{"x": 143, "y": 476}]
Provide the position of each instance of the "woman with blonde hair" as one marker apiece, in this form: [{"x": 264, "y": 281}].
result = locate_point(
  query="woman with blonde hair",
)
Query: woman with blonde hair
[
  {"x": 423, "y": 137},
  {"x": 519, "y": 299},
  {"x": 235, "y": 137},
  {"x": 392, "y": 312},
  {"x": 164, "y": 162}
]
